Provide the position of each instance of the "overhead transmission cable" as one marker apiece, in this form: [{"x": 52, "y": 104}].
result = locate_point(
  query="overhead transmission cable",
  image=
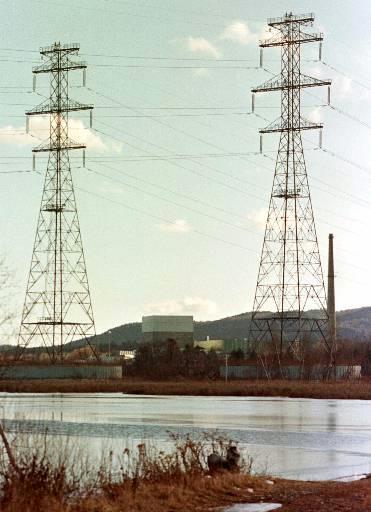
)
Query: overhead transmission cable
[
  {"x": 180, "y": 194},
  {"x": 166, "y": 220},
  {"x": 170, "y": 201},
  {"x": 213, "y": 145}
]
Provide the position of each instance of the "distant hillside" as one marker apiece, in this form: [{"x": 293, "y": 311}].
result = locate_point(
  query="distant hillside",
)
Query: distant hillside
[
  {"x": 226, "y": 328},
  {"x": 354, "y": 324}
]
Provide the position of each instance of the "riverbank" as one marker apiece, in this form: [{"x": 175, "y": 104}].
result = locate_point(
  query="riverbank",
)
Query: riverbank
[
  {"x": 360, "y": 389},
  {"x": 42, "y": 474},
  {"x": 205, "y": 494}
]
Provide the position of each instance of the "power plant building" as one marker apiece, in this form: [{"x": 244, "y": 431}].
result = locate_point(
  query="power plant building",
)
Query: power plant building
[
  {"x": 226, "y": 346},
  {"x": 160, "y": 328}
]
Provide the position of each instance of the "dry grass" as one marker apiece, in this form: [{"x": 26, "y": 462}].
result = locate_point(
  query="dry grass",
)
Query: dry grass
[
  {"x": 305, "y": 389},
  {"x": 205, "y": 495},
  {"x": 37, "y": 474},
  {"x": 34, "y": 476}
]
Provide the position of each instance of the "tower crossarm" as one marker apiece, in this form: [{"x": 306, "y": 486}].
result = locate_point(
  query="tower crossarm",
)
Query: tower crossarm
[
  {"x": 65, "y": 145},
  {"x": 48, "y": 107},
  {"x": 51, "y": 67},
  {"x": 303, "y": 19},
  {"x": 58, "y": 47},
  {"x": 279, "y": 83},
  {"x": 281, "y": 40},
  {"x": 281, "y": 125}
]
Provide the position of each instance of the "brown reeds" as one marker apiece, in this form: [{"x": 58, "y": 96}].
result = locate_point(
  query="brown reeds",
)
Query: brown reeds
[
  {"x": 44, "y": 476},
  {"x": 297, "y": 389},
  {"x": 35, "y": 472},
  {"x": 37, "y": 478}
]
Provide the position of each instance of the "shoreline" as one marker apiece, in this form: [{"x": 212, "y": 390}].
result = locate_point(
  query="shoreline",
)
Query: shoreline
[
  {"x": 349, "y": 390},
  {"x": 194, "y": 490},
  {"x": 220, "y": 492},
  {"x": 209, "y": 494}
]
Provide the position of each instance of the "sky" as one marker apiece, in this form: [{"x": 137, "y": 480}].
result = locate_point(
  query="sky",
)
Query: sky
[{"x": 173, "y": 200}]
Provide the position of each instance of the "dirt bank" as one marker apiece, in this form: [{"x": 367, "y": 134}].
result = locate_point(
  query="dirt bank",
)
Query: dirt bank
[{"x": 206, "y": 494}]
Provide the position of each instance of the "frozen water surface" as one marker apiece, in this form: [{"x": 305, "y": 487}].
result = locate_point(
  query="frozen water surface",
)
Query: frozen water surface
[
  {"x": 253, "y": 507},
  {"x": 292, "y": 438}
]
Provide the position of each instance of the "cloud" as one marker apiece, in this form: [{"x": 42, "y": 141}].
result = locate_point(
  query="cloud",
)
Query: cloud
[
  {"x": 266, "y": 33},
  {"x": 258, "y": 217},
  {"x": 315, "y": 70},
  {"x": 202, "y": 46},
  {"x": 39, "y": 132},
  {"x": 343, "y": 86},
  {"x": 197, "y": 306},
  {"x": 201, "y": 72},
  {"x": 15, "y": 135},
  {"x": 110, "y": 189},
  {"x": 239, "y": 32},
  {"x": 178, "y": 226},
  {"x": 79, "y": 132},
  {"x": 315, "y": 115}
]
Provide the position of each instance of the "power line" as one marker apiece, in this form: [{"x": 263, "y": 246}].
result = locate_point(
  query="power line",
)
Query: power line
[
  {"x": 343, "y": 112},
  {"x": 176, "y": 164},
  {"x": 358, "y": 200},
  {"x": 168, "y": 115},
  {"x": 217, "y": 147},
  {"x": 331, "y": 186},
  {"x": 180, "y": 194},
  {"x": 260, "y": 198},
  {"x": 225, "y": 154},
  {"x": 143, "y": 66},
  {"x": 130, "y": 13},
  {"x": 204, "y": 234},
  {"x": 346, "y": 160},
  {"x": 346, "y": 75},
  {"x": 170, "y": 201},
  {"x": 173, "y": 59},
  {"x": 16, "y": 171},
  {"x": 350, "y": 116},
  {"x": 167, "y": 221},
  {"x": 182, "y": 11},
  {"x": 222, "y": 209},
  {"x": 172, "y": 127}
]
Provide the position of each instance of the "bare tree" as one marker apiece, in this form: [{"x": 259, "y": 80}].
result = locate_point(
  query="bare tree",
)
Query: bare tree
[{"x": 7, "y": 305}]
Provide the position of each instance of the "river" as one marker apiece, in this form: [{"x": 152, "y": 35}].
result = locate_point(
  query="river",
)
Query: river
[{"x": 292, "y": 438}]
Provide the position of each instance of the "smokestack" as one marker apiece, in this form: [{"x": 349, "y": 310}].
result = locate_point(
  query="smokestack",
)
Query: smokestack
[{"x": 331, "y": 292}]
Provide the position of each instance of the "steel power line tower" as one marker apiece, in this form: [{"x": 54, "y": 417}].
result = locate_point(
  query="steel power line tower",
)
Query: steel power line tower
[
  {"x": 290, "y": 283},
  {"x": 57, "y": 307}
]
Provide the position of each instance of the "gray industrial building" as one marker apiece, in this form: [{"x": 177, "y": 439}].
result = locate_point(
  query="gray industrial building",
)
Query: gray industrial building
[
  {"x": 68, "y": 371},
  {"x": 289, "y": 371},
  {"x": 159, "y": 328}
]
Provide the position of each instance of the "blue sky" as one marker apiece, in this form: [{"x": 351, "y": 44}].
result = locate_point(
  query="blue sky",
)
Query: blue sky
[{"x": 171, "y": 220}]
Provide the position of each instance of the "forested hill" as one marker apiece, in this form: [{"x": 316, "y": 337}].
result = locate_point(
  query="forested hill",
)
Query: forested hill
[{"x": 354, "y": 324}]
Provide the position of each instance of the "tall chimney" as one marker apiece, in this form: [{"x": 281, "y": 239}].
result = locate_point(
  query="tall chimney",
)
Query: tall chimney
[{"x": 331, "y": 292}]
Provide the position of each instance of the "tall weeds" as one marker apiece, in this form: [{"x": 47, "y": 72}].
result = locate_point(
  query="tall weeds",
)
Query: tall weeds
[
  {"x": 38, "y": 468},
  {"x": 44, "y": 474}
]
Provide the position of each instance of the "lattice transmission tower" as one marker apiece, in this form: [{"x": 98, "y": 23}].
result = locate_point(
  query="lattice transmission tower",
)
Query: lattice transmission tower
[
  {"x": 290, "y": 300},
  {"x": 57, "y": 307}
]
